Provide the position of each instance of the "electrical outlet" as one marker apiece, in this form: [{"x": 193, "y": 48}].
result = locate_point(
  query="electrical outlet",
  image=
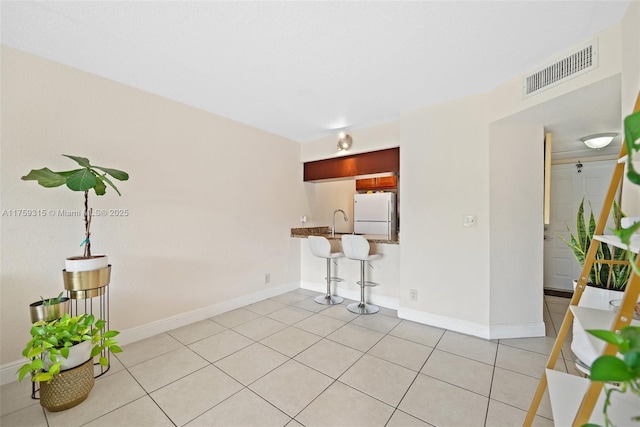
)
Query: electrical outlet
[
  {"x": 413, "y": 295},
  {"x": 267, "y": 278}
]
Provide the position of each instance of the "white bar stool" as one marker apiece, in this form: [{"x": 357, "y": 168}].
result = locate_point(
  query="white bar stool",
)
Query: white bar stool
[
  {"x": 321, "y": 247},
  {"x": 357, "y": 248}
]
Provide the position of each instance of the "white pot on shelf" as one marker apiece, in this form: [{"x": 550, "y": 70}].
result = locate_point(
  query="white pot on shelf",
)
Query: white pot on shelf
[
  {"x": 597, "y": 298},
  {"x": 78, "y": 354},
  {"x": 79, "y": 263}
]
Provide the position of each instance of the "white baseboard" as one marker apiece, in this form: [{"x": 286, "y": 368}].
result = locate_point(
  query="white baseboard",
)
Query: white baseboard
[
  {"x": 381, "y": 300},
  {"x": 480, "y": 330},
  {"x": 183, "y": 319},
  {"x": 8, "y": 371},
  {"x": 521, "y": 330}
]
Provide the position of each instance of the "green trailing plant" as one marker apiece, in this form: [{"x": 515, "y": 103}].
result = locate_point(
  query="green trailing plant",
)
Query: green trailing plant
[
  {"x": 624, "y": 371},
  {"x": 602, "y": 275},
  {"x": 632, "y": 141},
  {"x": 52, "y": 301},
  {"x": 83, "y": 179},
  {"x": 53, "y": 340}
]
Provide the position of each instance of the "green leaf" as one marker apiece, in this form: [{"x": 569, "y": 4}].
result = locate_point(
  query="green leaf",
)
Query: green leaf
[
  {"x": 43, "y": 377},
  {"x": 100, "y": 189},
  {"x": 104, "y": 361},
  {"x": 117, "y": 174},
  {"x": 95, "y": 351},
  {"x": 115, "y": 349},
  {"x": 82, "y": 161},
  {"x": 110, "y": 334},
  {"x": 65, "y": 352},
  {"x": 35, "y": 352},
  {"x": 610, "y": 368},
  {"x": 632, "y": 140},
  {"x": 632, "y": 359},
  {"x": 608, "y": 336},
  {"x": 23, "y": 371},
  {"x": 55, "y": 368},
  {"x": 626, "y": 233},
  {"x": 45, "y": 177},
  {"x": 111, "y": 184},
  {"x": 82, "y": 180}
]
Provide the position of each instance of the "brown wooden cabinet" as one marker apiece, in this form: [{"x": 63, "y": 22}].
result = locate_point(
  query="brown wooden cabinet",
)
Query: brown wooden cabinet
[
  {"x": 373, "y": 162},
  {"x": 377, "y": 184}
]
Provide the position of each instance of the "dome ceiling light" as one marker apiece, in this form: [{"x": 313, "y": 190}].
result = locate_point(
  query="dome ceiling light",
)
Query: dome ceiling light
[{"x": 599, "y": 140}]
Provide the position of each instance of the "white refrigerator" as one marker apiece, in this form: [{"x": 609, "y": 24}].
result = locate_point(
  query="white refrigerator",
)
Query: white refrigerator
[{"x": 374, "y": 213}]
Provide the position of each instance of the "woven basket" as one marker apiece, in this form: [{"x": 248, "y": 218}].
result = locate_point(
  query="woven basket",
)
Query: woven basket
[{"x": 68, "y": 388}]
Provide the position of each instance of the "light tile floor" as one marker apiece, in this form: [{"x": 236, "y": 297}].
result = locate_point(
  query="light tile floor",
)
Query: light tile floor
[{"x": 289, "y": 362}]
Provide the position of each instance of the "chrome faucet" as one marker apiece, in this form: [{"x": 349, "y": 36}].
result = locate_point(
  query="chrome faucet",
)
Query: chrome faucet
[{"x": 333, "y": 225}]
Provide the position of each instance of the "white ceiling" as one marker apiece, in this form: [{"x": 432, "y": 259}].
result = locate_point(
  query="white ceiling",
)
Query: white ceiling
[{"x": 304, "y": 70}]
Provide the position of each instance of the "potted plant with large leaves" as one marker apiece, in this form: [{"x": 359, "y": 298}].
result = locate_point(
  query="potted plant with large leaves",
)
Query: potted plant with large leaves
[
  {"x": 87, "y": 177},
  {"x": 61, "y": 353},
  {"x": 611, "y": 270}
]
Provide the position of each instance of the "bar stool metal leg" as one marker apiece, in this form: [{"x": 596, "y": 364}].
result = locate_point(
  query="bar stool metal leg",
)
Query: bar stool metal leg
[
  {"x": 363, "y": 307},
  {"x": 329, "y": 299}
]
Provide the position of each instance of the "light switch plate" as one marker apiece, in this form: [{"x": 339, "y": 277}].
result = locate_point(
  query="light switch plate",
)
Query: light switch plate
[{"x": 470, "y": 221}]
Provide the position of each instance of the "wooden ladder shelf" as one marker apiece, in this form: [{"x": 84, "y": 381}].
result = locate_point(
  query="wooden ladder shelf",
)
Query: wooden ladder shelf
[{"x": 580, "y": 414}]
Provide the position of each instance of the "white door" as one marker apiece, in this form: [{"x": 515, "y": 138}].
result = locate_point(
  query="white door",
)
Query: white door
[{"x": 568, "y": 187}]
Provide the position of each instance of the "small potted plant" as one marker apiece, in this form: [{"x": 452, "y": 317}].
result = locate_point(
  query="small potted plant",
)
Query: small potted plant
[
  {"x": 602, "y": 275},
  {"x": 61, "y": 353},
  {"x": 83, "y": 179},
  {"x": 49, "y": 308}
]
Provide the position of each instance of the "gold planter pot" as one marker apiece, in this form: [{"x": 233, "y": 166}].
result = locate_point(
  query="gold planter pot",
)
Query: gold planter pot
[
  {"x": 39, "y": 311},
  {"x": 86, "y": 284},
  {"x": 68, "y": 388}
]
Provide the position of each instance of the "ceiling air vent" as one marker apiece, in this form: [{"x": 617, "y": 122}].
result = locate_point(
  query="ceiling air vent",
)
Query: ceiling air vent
[{"x": 581, "y": 61}]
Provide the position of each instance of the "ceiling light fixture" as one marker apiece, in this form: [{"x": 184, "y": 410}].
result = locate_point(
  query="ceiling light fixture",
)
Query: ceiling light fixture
[
  {"x": 598, "y": 140},
  {"x": 344, "y": 141}
]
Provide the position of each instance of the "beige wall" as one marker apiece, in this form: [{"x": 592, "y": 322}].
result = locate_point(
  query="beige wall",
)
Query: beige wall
[
  {"x": 516, "y": 228},
  {"x": 444, "y": 167},
  {"x": 211, "y": 201},
  {"x": 323, "y": 198},
  {"x": 379, "y": 137},
  {"x": 507, "y": 98}
]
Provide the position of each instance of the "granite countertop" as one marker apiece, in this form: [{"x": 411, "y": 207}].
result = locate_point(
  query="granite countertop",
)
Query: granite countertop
[{"x": 326, "y": 232}]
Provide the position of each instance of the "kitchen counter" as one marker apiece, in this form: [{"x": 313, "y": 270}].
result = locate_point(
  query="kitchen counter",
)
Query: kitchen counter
[{"x": 326, "y": 232}]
